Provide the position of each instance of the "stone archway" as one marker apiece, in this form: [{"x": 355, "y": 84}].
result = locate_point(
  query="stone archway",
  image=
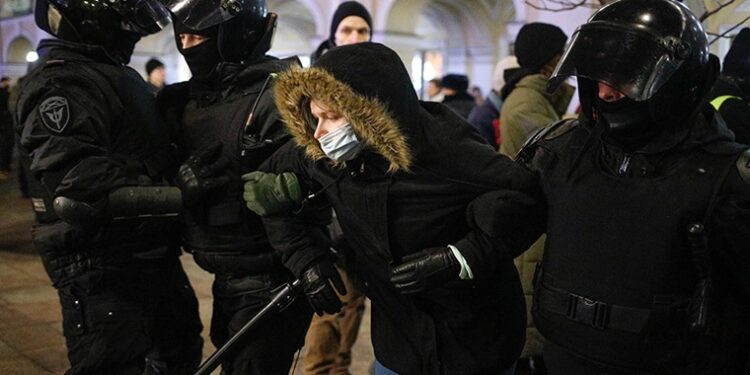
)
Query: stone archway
[
  {"x": 297, "y": 28},
  {"x": 17, "y": 50}
]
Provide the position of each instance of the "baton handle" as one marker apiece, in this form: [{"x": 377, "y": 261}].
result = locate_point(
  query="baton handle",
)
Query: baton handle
[{"x": 279, "y": 302}]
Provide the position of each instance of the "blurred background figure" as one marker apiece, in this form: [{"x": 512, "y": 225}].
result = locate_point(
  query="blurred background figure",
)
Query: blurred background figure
[
  {"x": 731, "y": 92},
  {"x": 434, "y": 91},
  {"x": 6, "y": 130},
  {"x": 527, "y": 104},
  {"x": 156, "y": 74},
  {"x": 456, "y": 96},
  {"x": 486, "y": 117},
  {"x": 351, "y": 23},
  {"x": 476, "y": 92}
]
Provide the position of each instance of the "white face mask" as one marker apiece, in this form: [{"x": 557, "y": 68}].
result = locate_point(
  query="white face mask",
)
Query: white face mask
[{"x": 341, "y": 144}]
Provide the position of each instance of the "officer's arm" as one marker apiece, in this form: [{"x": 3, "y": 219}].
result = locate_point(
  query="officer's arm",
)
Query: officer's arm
[
  {"x": 67, "y": 135},
  {"x": 731, "y": 225}
]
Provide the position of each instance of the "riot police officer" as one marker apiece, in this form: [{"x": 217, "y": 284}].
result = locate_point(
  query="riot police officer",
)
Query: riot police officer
[
  {"x": 99, "y": 156},
  {"x": 228, "y": 102},
  {"x": 646, "y": 266}
]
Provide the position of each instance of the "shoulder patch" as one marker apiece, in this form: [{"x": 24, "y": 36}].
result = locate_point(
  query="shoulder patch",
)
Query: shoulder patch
[
  {"x": 55, "y": 113},
  {"x": 743, "y": 166}
]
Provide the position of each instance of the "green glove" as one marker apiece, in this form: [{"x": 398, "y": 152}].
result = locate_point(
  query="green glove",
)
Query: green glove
[{"x": 269, "y": 193}]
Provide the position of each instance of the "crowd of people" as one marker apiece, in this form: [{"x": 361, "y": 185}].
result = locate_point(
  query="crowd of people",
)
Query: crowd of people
[{"x": 493, "y": 235}]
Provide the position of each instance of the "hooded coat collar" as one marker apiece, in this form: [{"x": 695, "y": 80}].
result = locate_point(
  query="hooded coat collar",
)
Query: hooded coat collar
[{"x": 383, "y": 111}]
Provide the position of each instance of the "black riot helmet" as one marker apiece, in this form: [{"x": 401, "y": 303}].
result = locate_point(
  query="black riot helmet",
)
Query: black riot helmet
[
  {"x": 115, "y": 25},
  {"x": 653, "y": 51},
  {"x": 245, "y": 28}
]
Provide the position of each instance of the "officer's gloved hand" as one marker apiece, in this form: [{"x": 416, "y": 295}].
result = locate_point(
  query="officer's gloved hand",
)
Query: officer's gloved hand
[
  {"x": 429, "y": 267},
  {"x": 269, "y": 193},
  {"x": 318, "y": 281},
  {"x": 201, "y": 173}
]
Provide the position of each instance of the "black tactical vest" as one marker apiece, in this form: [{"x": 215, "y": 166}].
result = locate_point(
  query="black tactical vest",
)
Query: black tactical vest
[{"x": 618, "y": 274}]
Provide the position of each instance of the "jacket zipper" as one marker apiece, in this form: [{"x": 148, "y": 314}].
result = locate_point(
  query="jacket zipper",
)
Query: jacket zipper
[{"x": 625, "y": 164}]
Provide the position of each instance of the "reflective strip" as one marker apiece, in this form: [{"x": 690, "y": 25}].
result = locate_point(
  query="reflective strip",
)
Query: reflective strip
[{"x": 716, "y": 103}]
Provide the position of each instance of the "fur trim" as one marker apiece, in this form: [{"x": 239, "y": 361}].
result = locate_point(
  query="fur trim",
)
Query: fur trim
[{"x": 369, "y": 117}]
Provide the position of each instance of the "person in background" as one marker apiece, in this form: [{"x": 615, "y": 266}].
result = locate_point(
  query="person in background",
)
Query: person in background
[
  {"x": 527, "y": 105},
  {"x": 155, "y": 74},
  {"x": 455, "y": 95},
  {"x": 476, "y": 92},
  {"x": 485, "y": 118},
  {"x": 434, "y": 91},
  {"x": 7, "y": 140},
  {"x": 351, "y": 24},
  {"x": 731, "y": 94}
]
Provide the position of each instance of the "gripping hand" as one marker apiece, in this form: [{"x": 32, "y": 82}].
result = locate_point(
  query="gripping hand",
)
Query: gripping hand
[
  {"x": 318, "y": 282},
  {"x": 269, "y": 193},
  {"x": 201, "y": 173},
  {"x": 429, "y": 267}
]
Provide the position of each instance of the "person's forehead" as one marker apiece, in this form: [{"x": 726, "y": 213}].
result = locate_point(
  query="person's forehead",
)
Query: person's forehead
[{"x": 354, "y": 22}]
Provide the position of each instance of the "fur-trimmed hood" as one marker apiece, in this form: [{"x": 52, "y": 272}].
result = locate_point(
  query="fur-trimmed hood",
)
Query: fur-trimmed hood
[{"x": 368, "y": 84}]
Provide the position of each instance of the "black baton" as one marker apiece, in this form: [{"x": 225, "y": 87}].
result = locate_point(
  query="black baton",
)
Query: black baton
[{"x": 286, "y": 294}]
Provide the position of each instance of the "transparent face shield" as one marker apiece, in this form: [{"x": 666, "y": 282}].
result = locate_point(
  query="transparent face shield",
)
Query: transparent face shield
[
  {"x": 201, "y": 14},
  {"x": 144, "y": 17},
  {"x": 633, "y": 61}
]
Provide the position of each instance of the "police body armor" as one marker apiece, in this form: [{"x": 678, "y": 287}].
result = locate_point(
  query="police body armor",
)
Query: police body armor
[
  {"x": 223, "y": 235},
  {"x": 617, "y": 283}
]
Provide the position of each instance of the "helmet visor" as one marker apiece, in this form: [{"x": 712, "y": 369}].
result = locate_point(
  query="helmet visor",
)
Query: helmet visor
[
  {"x": 201, "y": 14},
  {"x": 633, "y": 61},
  {"x": 146, "y": 16}
]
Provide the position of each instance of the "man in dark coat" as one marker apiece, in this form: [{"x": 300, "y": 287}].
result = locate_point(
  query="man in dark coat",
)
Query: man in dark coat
[
  {"x": 731, "y": 93},
  {"x": 92, "y": 138},
  {"x": 455, "y": 95},
  {"x": 351, "y": 23},
  {"x": 227, "y": 109},
  {"x": 410, "y": 182},
  {"x": 646, "y": 264}
]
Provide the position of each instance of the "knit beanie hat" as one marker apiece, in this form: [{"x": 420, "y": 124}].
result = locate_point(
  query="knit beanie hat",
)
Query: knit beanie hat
[
  {"x": 346, "y": 9},
  {"x": 737, "y": 61},
  {"x": 537, "y": 43},
  {"x": 498, "y": 77},
  {"x": 152, "y": 64},
  {"x": 458, "y": 82}
]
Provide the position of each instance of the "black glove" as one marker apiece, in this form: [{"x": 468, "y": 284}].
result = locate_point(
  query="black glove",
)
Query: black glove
[
  {"x": 316, "y": 282},
  {"x": 200, "y": 173},
  {"x": 429, "y": 267}
]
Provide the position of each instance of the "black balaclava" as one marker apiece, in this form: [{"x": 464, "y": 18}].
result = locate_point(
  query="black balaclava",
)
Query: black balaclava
[
  {"x": 628, "y": 121},
  {"x": 203, "y": 58},
  {"x": 346, "y": 9}
]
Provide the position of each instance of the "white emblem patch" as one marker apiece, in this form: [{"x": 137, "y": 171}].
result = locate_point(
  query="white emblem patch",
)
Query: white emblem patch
[{"x": 55, "y": 113}]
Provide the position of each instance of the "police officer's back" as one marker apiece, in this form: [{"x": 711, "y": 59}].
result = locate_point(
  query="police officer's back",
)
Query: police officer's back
[
  {"x": 645, "y": 268},
  {"x": 94, "y": 141}
]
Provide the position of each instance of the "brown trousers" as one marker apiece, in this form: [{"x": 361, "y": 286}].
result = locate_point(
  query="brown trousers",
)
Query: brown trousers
[{"x": 330, "y": 338}]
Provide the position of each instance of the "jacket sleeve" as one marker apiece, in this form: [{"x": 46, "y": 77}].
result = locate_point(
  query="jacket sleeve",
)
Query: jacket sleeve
[
  {"x": 66, "y": 131},
  {"x": 521, "y": 118},
  {"x": 300, "y": 236},
  {"x": 508, "y": 213},
  {"x": 730, "y": 229}
]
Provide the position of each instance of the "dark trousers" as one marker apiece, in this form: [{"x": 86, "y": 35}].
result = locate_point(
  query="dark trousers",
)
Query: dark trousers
[
  {"x": 131, "y": 320},
  {"x": 7, "y": 142},
  {"x": 270, "y": 348}
]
